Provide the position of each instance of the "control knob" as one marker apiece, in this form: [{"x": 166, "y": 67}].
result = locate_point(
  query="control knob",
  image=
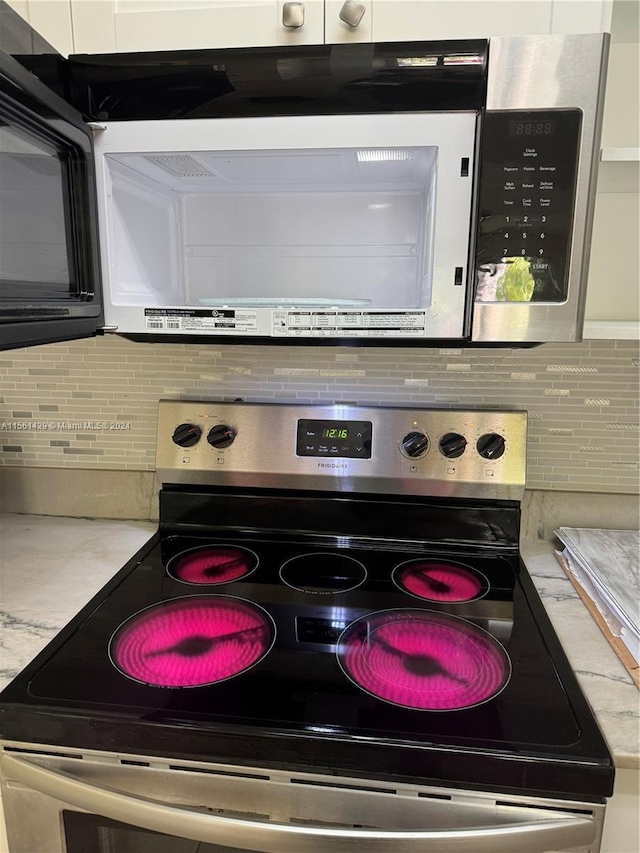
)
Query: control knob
[
  {"x": 221, "y": 436},
  {"x": 186, "y": 435},
  {"x": 415, "y": 444},
  {"x": 452, "y": 445},
  {"x": 491, "y": 445}
]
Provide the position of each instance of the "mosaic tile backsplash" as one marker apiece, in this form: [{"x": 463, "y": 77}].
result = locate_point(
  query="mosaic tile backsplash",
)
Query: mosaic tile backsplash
[{"x": 93, "y": 403}]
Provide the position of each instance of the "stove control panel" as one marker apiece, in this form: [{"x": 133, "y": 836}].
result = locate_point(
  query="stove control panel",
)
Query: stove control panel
[{"x": 439, "y": 452}]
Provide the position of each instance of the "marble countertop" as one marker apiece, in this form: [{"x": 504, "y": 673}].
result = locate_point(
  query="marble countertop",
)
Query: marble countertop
[
  {"x": 611, "y": 692},
  {"x": 50, "y": 567}
]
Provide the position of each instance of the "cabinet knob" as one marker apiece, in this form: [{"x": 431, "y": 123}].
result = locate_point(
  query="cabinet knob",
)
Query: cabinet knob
[
  {"x": 352, "y": 12},
  {"x": 293, "y": 15}
]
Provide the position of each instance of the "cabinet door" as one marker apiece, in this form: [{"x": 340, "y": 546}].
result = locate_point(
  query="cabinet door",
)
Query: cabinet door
[
  {"x": 582, "y": 16},
  {"x": 414, "y": 20},
  {"x": 127, "y": 26},
  {"x": 94, "y": 26},
  {"x": 613, "y": 294}
]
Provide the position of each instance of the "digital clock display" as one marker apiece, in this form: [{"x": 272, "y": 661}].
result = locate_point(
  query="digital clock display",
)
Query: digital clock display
[
  {"x": 542, "y": 127},
  {"x": 334, "y": 439},
  {"x": 334, "y": 432}
]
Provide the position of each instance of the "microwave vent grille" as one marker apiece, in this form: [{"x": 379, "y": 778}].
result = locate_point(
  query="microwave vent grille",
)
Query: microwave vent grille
[{"x": 181, "y": 165}]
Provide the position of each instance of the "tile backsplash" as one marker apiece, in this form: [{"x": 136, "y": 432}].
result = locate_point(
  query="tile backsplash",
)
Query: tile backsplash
[{"x": 93, "y": 403}]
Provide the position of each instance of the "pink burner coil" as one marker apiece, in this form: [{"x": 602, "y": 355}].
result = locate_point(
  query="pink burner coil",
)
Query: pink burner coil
[
  {"x": 423, "y": 660},
  {"x": 435, "y": 581},
  {"x": 190, "y": 642},
  {"x": 213, "y": 564}
]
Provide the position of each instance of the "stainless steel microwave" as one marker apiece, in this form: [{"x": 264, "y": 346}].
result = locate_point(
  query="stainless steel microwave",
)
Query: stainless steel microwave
[{"x": 400, "y": 194}]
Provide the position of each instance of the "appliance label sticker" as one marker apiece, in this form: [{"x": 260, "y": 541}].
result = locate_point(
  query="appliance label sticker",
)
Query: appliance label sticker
[
  {"x": 351, "y": 324},
  {"x": 212, "y": 320}
]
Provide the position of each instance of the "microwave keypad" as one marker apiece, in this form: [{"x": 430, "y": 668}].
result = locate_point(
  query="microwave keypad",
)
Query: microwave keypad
[{"x": 526, "y": 201}]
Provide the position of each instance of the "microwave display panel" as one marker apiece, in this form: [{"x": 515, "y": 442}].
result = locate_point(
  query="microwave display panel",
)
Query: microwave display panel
[{"x": 527, "y": 198}]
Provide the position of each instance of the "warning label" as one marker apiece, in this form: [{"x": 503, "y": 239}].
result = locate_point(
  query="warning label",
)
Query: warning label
[
  {"x": 211, "y": 320},
  {"x": 348, "y": 323}
]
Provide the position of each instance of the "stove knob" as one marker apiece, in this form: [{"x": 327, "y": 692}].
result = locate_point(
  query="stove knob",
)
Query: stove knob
[
  {"x": 221, "y": 436},
  {"x": 415, "y": 444},
  {"x": 186, "y": 435},
  {"x": 452, "y": 445},
  {"x": 491, "y": 445}
]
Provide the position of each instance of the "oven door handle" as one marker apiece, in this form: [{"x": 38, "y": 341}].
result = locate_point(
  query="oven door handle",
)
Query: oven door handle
[{"x": 535, "y": 836}]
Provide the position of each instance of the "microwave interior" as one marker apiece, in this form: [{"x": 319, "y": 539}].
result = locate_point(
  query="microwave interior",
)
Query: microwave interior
[
  {"x": 363, "y": 213},
  {"x": 342, "y": 226}
]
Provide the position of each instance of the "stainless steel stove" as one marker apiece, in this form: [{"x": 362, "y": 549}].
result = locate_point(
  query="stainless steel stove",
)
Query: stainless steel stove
[{"x": 331, "y": 643}]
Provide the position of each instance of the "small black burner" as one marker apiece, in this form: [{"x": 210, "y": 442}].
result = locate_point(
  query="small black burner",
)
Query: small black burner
[{"x": 323, "y": 573}]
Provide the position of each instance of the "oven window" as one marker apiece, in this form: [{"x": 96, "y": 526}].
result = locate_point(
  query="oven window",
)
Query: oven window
[
  {"x": 36, "y": 254},
  {"x": 88, "y": 833}
]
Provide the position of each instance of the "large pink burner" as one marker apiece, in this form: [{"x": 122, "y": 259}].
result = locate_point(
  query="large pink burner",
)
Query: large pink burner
[
  {"x": 423, "y": 660},
  {"x": 193, "y": 641}
]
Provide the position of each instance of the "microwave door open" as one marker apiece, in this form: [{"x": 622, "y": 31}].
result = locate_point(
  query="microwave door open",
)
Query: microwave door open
[{"x": 50, "y": 284}]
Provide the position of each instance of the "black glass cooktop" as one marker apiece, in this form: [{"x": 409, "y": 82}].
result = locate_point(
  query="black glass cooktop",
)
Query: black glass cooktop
[
  {"x": 272, "y": 648},
  {"x": 425, "y": 659}
]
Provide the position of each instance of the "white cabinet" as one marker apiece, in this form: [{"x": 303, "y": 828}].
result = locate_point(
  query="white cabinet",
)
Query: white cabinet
[
  {"x": 408, "y": 20},
  {"x": 414, "y": 20},
  {"x": 102, "y": 26},
  {"x": 51, "y": 19},
  {"x": 613, "y": 293},
  {"x": 94, "y": 26},
  {"x": 126, "y": 26}
]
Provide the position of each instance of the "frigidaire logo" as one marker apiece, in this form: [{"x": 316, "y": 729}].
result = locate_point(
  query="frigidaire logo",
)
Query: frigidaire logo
[{"x": 331, "y": 465}]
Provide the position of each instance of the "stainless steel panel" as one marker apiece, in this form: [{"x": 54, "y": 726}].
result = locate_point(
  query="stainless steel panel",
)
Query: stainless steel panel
[
  {"x": 277, "y": 811},
  {"x": 546, "y": 72},
  {"x": 263, "y": 453}
]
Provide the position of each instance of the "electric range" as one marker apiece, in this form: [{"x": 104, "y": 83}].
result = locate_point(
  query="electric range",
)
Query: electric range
[{"x": 334, "y": 593}]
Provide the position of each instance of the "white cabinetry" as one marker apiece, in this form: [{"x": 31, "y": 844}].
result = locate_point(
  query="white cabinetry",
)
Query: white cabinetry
[
  {"x": 407, "y": 20},
  {"x": 51, "y": 19},
  {"x": 127, "y": 26},
  {"x": 108, "y": 26},
  {"x": 413, "y": 20},
  {"x": 613, "y": 294}
]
